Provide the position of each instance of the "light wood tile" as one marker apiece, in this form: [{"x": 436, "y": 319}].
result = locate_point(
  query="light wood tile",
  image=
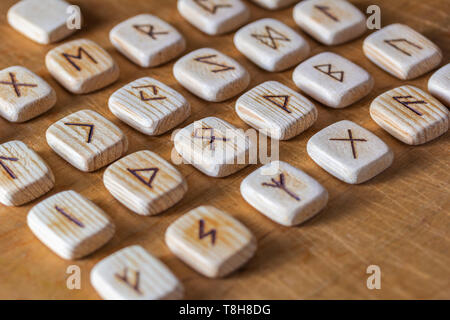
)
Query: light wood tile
[
  {"x": 213, "y": 146},
  {"x": 81, "y": 66},
  {"x": 402, "y": 51},
  {"x": 333, "y": 80},
  {"x": 134, "y": 274},
  {"x": 23, "y": 94},
  {"x": 87, "y": 140},
  {"x": 410, "y": 114},
  {"x": 274, "y": 4},
  {"x": 24, "y": 176},
  {"x": 331, "y": 22},
  {"x": 147, "y": 40},
  {"x": 439, "y": 84},
  {"x": 210, "y": 241},
  {"x": 149, "y": 106},
  {"x": 145, "y": 183},
  {"x": 211, "y": 75},
  {"x": 349, "y": 152},
  {"x": 283, "y": 193},
  {"x": 271, "y": 44},
  {"x": 43, "y": 21},
  {"x": 276, "y": 110},
  {"x": 71, "y": 225},
  {"x": 214, "y": 17}
]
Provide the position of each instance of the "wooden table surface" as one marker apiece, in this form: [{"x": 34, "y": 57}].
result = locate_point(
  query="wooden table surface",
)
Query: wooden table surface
[{"x": 398, "y": 220}]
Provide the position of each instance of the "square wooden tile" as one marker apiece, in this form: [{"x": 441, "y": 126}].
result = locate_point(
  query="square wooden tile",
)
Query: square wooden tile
[
  {"x": 214, "y": 17},
  {"x": 210, "y": 241},
  {"x": 145, "y": 183},
  {"x": 24, "y": 176},
  {"x": 23, "y": 94},
  {"x": 149, "y": 106},
  {"x": 439, "y": 84},
  {"x": 333, "y": 80},
  {"x": 211, "y": 75},
  {"x": 271, "y": 44},
  {"x": 285, "y": 194},
  {"x": 87, "y": 140},
  {"x": 71, "y": 225},
  {"x": 402, "y": 51},
  {"x": 81, "y": 66},
  {"x": 276, "y": 110},
  {"x": 43, "y": 21},
  {"x": 213, "y": 146},
  {"x": 349, "y": 152},
  {"x": 147, "y": 40},
  {"x": 134, "y": 274},
  {"x": 274, "y": 4},
  {"x": 410, "y": 114},
  {"x": 331, "y": 22}
]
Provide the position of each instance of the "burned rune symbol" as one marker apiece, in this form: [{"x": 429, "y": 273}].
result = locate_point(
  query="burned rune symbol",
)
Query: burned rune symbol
[
  {"x": 90, "y": 126},
  {"x": 337, "y": 75},
  {"x": 392, "y": 42},
  {"x": 213, "y": 9},
  {"x": 79, "y": 56},
  {"x": 202, "y": 234},
  {"x": 154, "y": 90},
  {"x": 16, "y": 84},
  {"x": 211, "y": 137},
  {"x": 272, "y": 37},
  {"x": 149, "y": 30},
  {"x": 148, "y": 182},
  {"x": 124, "y": 278},
  {"x": 326, "y": 11},
  {"x": 283, "y": 105},
  {"x": 204, "y": 59},
  {"x": 6, "y": 168},
  {"x": 352, "y": 141},
  {"x": 281, "y": 184},
  {"x": 68, "y": 216},
  {"x": 407, "y": 103}
]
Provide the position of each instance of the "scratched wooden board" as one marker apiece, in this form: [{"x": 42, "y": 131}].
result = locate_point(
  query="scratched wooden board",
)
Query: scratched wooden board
[{"x": 399, "y": 220}]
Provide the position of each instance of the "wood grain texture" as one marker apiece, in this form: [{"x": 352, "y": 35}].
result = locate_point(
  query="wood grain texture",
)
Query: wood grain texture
[
  {"x": 145, "y": 183},
  {"x": 133, "y": 273},
  {"x": 276, "y": 110},
  {"x": 211, "y": 241},
  {"x": 399, "y": 220},
  {"x": 81, "y": 66},
  {"x": 70, "y": 224},
  {"x": 402, "y": 51},
  {"x": 410, "y": 114},
  {"x": 439, "y": 84}
]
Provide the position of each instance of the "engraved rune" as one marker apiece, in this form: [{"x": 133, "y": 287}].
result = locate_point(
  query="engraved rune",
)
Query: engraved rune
[
  {"x": 392, "y": 42},
  {"x": 90, "y": 126},
  {"x": 204, "y": 59},
  {"x": 149, "y": 30},
  {"x": 154, "y": 90},
  {"x": 16, "y": 84},
  {"x": 337, "y": 75},
  {"x": 71, "y": 218},
  {"x": 202, "y": 234},
  {"x": 407, "y": 103},
  {"x": 211, "y": 137},
  {"x": 211, "y": 9},
  {"x": 6, "y": 168},
  {"x": 272, "y": 37},
  {"x": 79, "y": 56},
  {"x": 281, "y": 184},
  {"x": 124, "y": 277},
  {"x": 148, "y": 182},
  {"x": 277, "y": 103},
  {"x": 352, "y": 141},
  {"x": 325, "y": 10}
]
